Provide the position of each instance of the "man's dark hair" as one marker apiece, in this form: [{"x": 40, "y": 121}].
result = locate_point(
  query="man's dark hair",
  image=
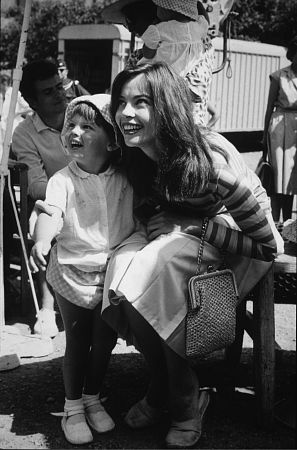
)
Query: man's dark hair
[{"x": 36, "y": 71}]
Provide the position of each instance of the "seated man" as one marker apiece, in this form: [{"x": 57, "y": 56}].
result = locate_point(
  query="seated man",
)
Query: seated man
[{"x": 37, "y": 143}]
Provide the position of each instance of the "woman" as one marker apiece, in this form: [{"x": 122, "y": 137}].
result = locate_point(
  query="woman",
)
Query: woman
[
  {"x": 280, "y": 134},
  {"x": 181, "y": 177}
]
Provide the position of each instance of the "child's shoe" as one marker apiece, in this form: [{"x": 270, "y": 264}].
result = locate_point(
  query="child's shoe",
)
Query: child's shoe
[
  {"x": 76, "y": 431},
  {"x": 96, "y": 415}
]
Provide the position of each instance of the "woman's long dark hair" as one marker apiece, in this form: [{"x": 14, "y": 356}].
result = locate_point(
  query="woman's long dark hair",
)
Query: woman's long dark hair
[{"x": 185, "y": 163}]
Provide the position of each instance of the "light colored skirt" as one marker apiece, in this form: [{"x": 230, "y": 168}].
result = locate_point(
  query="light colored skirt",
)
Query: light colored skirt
[
  {"x": 153, "y": 277},
  {"x": 282, "y": 151}
]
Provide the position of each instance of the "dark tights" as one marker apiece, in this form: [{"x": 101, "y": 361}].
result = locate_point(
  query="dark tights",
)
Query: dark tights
[
  {"x": 171, "y": 374},
  {"x": 89, "y": 343}
]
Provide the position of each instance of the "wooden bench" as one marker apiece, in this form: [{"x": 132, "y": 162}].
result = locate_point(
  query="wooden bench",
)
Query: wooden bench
[{"x": 261, "y": 327}]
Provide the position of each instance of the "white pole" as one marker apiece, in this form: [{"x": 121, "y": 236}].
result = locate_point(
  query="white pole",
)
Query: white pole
[{"x": 17, "y": 76}]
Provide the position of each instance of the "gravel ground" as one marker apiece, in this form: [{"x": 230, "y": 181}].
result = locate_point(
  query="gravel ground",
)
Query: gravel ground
[{"x": 32, "y": 397}]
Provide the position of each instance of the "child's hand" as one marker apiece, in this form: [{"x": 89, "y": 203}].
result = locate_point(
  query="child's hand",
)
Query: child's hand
[{"x": 37, "y": 259}]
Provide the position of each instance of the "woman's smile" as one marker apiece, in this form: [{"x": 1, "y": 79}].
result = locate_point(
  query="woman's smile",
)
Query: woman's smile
[{"x": 130, "y": 128}]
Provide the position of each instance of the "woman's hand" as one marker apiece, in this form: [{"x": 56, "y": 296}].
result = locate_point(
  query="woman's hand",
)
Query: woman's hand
[
  {"x": 164, "y": 223},
  {"x": 37, "y": 259}
]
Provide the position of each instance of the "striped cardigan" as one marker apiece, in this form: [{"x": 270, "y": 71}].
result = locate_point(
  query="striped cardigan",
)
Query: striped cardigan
[{"x": 237, "y": 205}]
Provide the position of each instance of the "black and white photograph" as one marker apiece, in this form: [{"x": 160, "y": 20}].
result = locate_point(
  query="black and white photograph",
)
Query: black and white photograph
[{"x": 148, "y": 224}]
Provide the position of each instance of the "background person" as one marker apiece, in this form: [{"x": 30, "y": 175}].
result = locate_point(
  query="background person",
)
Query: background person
[
  {"x": 21, "y": 110},
  {"x": 180, "y": 39},
  {"x": 37, "y": 143},
  {"x": 177, "y": 38},
  {"x": 72, "y": 88},
  {"x": 137, "y": 16},
  {"x": 94, "y": 201},
  {"x": 4, "y": 85},
  {"x": 280, "y": 134},
  {"x": 140, "y": 15},
  {"x": 186, "y": 176}
]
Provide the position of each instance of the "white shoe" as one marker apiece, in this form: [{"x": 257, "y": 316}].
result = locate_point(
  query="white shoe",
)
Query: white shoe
[
  {"x": 45, "y": 324},
  {"x": 78, "y": 433},
  {"x": 97, "y": 417}
]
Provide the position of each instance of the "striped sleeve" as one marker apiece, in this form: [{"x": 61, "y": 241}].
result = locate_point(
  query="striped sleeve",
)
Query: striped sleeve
[{"x": 255, "y": 237}]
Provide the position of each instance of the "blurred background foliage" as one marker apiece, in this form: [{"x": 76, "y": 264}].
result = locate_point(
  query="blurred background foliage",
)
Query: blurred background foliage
[{"x": 269, "y": 21}]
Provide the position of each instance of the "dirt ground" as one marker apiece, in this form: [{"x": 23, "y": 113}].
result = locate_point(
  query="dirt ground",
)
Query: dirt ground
[{"x": 32, "y": 398}]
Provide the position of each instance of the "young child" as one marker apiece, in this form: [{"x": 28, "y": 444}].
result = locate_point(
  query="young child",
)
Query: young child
[
  {"x": 177, "y": 39},
  {"x": 93, "y": 200}
]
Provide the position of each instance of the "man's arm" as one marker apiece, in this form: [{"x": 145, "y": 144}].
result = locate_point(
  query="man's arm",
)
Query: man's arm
[{"x": 272, "y": 97}]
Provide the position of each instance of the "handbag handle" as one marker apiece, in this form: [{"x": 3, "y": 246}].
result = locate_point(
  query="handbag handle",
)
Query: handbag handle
[{"x": 201, "y": 246}]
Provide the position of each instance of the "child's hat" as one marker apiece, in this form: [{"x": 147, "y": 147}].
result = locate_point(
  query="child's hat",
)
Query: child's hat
[
  {"x": 186, "y": 7},
  {"x": 100, "y": 101}
]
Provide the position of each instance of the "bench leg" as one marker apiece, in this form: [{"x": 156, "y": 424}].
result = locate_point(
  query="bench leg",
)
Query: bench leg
[
  {"x": 233, "y": 352},
  {"x": 264, "y": 349}
]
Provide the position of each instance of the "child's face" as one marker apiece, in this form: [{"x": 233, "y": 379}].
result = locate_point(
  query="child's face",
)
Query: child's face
[{"x": 87, "y": 143}]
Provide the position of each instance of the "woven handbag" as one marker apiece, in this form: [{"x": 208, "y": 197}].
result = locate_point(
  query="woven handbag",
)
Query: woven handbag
[{"x": 212, "y": 301}]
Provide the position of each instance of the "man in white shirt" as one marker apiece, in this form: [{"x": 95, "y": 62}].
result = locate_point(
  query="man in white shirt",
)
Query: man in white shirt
[
  {"x": 21, "y": 110},
  {"x": 37, "y": 143}
]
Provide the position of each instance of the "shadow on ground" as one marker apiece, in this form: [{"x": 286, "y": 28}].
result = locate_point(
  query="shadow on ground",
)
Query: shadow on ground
[{"x": 34, "y": 391}]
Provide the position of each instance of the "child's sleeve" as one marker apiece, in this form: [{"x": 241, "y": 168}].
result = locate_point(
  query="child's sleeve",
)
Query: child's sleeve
[
  {"x": 151, "y": 37},
  {"x": 56, "y": 192}
]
